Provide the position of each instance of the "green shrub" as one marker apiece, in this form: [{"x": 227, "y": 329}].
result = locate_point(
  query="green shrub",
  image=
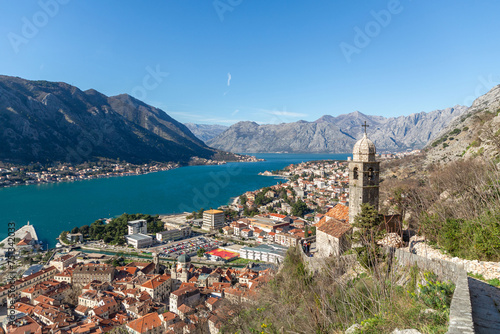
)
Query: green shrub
[
  {"x": 475, "y": 239},
  {"x": 494, "y": 282},
  {"x": 436, "y": 294},
  {"x": 477, "y": 276}
]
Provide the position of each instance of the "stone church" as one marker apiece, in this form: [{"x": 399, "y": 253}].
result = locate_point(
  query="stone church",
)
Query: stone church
[{"x": 334, "y": 229}]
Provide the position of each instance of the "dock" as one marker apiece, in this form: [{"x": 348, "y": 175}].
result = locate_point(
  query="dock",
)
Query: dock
[{"x": 20, "y": 233}]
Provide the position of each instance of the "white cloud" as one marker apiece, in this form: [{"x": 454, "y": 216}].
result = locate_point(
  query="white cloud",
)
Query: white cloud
[
  {"x": 228, "y": 79},
  {"x": 235, "y": 112},
  {"x": 283, "y": 113}
]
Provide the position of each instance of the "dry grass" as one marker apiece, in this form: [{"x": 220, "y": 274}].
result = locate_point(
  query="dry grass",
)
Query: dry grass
[{"x": 296, "y": 302}]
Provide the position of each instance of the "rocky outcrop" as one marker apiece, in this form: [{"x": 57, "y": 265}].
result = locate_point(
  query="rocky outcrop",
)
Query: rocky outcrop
[
  {"x": 474, "y": 134},
  {"x": 338, "y": 134}
]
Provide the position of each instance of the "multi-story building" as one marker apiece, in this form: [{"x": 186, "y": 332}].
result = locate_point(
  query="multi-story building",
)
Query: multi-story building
[
  {"x": 13, "y": 290},
  {"x": 213, "y": 220},
  {"x": 139, "y": 240},
  {"x": 158, "y": 287},
  {"x": 286, "y": 239},
  {"x": 139, "y": 226},
  {"x": 174, "y": 234},
  {"x": 189, "y": 296},
  {"x": 63, "y": 262},
  {"x": 87, "y": 273},
  {"x": 267, "y": 253}
]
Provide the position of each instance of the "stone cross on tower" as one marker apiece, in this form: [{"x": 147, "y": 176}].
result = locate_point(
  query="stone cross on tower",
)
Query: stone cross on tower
[{"x": 365, "y": 126}]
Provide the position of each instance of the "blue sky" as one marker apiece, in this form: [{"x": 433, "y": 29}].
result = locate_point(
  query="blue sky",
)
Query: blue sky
[{"x": 225, "y": 61}]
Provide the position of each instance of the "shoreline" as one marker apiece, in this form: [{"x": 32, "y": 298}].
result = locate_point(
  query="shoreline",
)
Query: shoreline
[{"x": 104, "y": 176}]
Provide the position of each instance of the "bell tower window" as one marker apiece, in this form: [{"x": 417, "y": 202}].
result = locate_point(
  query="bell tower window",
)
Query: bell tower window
[
  {"x": 371, "y": 174},
  {"x": 355, "y": 173}
]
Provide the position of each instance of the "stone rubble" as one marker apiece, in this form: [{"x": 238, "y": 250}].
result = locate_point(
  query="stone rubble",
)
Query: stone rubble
[
  {"x": 489, "y": 270},
  {"x": 391, "y": 240}
]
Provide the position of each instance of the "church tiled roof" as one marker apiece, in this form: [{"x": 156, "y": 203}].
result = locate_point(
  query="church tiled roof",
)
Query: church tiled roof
[{"x": 335, "y": 228}]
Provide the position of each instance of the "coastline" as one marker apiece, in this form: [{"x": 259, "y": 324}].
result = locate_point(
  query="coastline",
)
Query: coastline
[{"x": 151, "y": 169}]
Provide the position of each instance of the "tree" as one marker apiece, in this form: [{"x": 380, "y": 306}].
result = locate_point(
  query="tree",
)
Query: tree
[
  {"x": 200, "y": 252},
  {"x": 366, "y": 233},
  {"x": 299, "y": 208},
  {"x": 84, "y": 230},
  {"x": 75, "y": 230},
  {"x": 243, "y": 199},
  {"x": 118, "y": 262}
]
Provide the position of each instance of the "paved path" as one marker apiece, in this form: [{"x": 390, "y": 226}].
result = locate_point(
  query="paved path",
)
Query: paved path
[{"x": 485, "y": 301}]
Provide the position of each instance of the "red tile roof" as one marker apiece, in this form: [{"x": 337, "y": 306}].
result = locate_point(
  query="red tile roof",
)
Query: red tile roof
[
  {"x": 145, "y": 323},
  {"x": 335, "y": 228}
]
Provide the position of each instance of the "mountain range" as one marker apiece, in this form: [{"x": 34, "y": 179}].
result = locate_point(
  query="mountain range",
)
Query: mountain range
[
  {"x": 206, "y": 132},
  {"x": 331, "y": 134},
  {"x": 43, "y": 121}
]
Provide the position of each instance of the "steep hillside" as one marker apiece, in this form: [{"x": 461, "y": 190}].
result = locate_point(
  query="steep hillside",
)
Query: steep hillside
[
  {"x": 337, "y": 134},
  {"x": 474, "y": 134},
  {"x": 53, "y": 121}
]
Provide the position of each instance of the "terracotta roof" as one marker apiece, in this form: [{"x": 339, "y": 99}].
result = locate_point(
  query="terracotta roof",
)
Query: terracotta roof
[
  {"x": 335, "y": 228},
  {"x": 339, "y": 212},
  {"x": 169, "y": 316},
  {"x": 90, "y": 327},
  {"x": 31, "y": 326},
  {"x": 44, "y": 299},
  {"x": 184, "y": 309},
  {"x": 212, "y": 300},
  {"x": 24, "y": 308},
  {"x": 155, "y": 282},
  {"x": 81, "y": 309},
  {"x": 145, "y": 323},
  {"x": 182, "y": 291},
  {"x": 23, "y": 242}
]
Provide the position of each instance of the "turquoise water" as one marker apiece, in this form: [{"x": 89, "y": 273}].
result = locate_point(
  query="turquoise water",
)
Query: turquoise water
[{"x": 52, "y": 208}]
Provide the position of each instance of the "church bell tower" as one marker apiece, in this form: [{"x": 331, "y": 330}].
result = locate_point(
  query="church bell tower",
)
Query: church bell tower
[{"x": 363, "y": 176}]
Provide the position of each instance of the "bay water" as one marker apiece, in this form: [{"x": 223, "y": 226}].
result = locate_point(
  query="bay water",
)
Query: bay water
[{"x": 55, "y": 207}]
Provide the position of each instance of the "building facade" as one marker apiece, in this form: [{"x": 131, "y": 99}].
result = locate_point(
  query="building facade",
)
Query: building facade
[
  {"x": 213, "y": 220},
  {"x": 139, "y": 240},
  {"x": 139, "y": 226},
  {"x": 87, "y": 273}
]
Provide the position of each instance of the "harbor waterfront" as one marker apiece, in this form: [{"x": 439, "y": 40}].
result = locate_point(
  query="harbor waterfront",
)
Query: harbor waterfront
[{"x": 52, "y": 208}]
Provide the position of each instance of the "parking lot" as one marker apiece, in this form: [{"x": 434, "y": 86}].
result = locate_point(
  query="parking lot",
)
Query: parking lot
[{"x": 190, "y": 246}]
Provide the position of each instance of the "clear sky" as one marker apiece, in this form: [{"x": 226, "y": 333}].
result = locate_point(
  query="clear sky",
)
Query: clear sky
[{"x": 223, "y": 61}]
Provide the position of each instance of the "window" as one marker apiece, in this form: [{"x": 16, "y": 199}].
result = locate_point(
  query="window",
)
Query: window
[
  {"x": 355, "y": 173},
  {"x": 371, "y": 174}
]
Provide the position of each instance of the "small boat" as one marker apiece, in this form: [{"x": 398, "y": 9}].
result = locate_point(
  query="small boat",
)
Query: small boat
[{"x": 58, "y": 245}]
